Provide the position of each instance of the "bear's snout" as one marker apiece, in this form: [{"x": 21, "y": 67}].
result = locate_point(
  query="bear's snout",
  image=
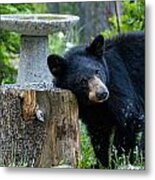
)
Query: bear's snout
[{"x": 98, "y": 92}]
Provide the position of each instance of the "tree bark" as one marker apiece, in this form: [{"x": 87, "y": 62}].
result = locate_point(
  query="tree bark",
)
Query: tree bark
[
  {"x": 117, "y": 12},
  {"x": 38, "y": 127},
  {"x": 94, "y": 18},
  {"x": 53, "y": 7}
]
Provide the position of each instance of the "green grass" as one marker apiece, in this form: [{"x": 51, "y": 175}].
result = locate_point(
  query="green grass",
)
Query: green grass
[{"x": 88, "y": 159}]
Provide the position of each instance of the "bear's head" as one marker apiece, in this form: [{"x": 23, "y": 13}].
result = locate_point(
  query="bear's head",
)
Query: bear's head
[{"x": 82, "y": 70}]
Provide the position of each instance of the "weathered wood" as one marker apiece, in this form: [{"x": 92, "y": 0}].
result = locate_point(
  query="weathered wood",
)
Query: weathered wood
[{"x": 38, "y": 127}]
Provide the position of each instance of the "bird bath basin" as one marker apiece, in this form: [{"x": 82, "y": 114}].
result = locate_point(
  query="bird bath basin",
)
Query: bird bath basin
[{"x": 34, "y": 30}]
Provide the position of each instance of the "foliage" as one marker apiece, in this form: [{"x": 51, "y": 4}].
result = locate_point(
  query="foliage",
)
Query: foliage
[
  {"x": 10, "y": 41},
  {"x": 132, "y": 18},
  {"x": 87, "y": 158},
  {"x": 57, "y": 43},
  {"x": 61, "y": 42},
  {"x": 69, "y": 8},
  {"x": 8, "y": 46}
]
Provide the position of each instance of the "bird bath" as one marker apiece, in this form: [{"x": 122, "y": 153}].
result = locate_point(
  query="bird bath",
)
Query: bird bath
[{"x": 34, "y": 30}]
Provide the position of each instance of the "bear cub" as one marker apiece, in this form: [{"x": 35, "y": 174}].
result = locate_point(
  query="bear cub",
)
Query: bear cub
[{"x": 107, "y": 77}]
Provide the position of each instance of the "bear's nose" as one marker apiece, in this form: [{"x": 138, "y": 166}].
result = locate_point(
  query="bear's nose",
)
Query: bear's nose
[{"x": 102, "y": 95}]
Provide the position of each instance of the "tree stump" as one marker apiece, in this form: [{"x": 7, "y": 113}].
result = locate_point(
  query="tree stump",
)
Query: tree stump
[{"x": 38, "y": 127}]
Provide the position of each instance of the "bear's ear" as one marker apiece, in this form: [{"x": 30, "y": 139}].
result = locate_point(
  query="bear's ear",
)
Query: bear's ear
[
  {"x": 56, "y": 64},
  {"x": 97, "y": 46}
]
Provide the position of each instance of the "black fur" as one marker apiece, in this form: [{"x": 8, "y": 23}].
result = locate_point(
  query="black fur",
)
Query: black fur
[{"x": 119, "y": 63}]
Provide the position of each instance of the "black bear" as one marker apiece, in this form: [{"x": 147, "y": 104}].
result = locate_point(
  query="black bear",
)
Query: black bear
[{"x": 107, "y": 77}]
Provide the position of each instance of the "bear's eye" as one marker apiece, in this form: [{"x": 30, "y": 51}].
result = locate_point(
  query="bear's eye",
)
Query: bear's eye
[
  {"x": 97, "y": 71},
  {"x": 83, "y": 81}
]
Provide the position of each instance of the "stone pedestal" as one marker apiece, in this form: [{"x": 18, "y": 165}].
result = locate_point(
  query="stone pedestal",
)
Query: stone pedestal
[
  {"x": 34, "y": 30},
  {"x": 33, "y": 64}
]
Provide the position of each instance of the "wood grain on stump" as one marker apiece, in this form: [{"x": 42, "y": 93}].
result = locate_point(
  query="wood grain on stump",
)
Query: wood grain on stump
[{"x": 38, "y": 128}]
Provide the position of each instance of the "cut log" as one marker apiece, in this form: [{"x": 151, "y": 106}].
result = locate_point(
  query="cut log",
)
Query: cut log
[{"x": 38, "y": 127}]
